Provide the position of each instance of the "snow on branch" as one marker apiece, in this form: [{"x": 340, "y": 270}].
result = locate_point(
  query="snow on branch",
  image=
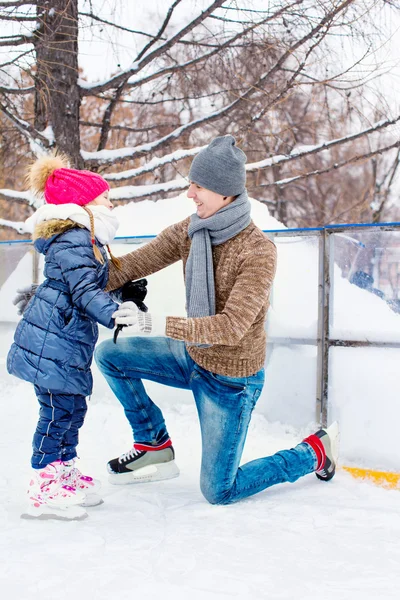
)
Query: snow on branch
[
  {"x": 301, "y": 152},
  {"x": 9, "y": 90},
  {"x": 12, "y": 195},
  {"x": 103, "y": 157},
  {"x": 37, "y": 141},
  {"x": 308, "y": 150},
  {"x": 153, "y": 164},
  {"x": 335, "y": 166},
  {"x": 109, "y": 157},
  {"x": 19, "y": 226},
  {"x": 16, "y": 40},
  {"x": 17, "y": 17},
  {"x": 130, "y": 192}
]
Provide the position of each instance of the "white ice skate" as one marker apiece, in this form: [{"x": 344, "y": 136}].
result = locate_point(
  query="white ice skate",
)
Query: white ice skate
[
  {"x": 90, "y": 487},
  {"x": 50, "y": 498}
]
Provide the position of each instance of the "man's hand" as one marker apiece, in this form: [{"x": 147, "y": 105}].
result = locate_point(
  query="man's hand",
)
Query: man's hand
[
  {"x": 23, "y": 297},
  {"x": 136, "y": 322}
]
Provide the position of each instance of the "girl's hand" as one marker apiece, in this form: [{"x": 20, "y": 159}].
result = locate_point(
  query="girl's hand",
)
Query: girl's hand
[{"x": 23, "y": 297}]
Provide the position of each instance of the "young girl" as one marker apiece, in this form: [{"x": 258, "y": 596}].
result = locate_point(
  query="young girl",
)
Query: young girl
[{"x": 54, "y": 341}]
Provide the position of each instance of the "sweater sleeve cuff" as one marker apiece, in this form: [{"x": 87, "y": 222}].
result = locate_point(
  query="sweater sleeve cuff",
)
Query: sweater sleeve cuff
[{"x": 177, "y": 328}]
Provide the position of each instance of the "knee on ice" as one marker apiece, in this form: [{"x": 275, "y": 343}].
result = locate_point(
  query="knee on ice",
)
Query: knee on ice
[{"x": 213, "y": 495}]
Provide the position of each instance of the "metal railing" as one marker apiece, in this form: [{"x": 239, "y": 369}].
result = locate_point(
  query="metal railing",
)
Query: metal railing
[{"x": 326, "y": 262}]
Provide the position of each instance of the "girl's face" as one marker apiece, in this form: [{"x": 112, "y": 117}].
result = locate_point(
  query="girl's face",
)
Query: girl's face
[{"x": 102, "y": 200}]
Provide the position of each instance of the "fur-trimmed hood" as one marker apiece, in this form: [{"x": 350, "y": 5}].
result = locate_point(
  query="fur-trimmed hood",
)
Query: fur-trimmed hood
[{"x": 47, "y": 229}]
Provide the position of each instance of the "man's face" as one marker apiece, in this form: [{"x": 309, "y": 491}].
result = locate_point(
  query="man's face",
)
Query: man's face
[{"x": 207, "y": 202}]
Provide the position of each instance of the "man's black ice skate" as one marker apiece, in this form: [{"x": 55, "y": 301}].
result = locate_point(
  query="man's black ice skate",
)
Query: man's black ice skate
[
  {"x": 143, "y": 463},
  {"x": 325, "y": 444}
]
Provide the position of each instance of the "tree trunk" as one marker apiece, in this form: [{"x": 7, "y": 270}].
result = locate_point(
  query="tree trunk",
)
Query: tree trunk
[{"x": 57, "y": 97}]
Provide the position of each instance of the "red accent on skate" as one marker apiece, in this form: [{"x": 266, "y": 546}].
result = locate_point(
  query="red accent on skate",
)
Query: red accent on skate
[
  {"x": 318, "y": 447},
  {"x": 150, "y": 448}
]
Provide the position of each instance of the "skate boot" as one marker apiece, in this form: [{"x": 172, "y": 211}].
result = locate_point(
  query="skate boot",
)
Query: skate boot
[
  {"x": 50, "y": 498},
  {"x": 325, "y": 444},
  {"x": 89, "y": 486},
  {"x": 144, "y": 463}
]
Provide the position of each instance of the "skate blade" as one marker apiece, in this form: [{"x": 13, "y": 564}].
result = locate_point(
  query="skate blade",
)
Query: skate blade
[
  {"x": 92, "y": 500},
  {"x": 45, "y": 513},
  {"x": 147, "y": 474}
]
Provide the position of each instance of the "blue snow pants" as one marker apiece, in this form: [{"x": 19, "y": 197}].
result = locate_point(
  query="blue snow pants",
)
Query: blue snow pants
[{"x": 57, "y": 432}]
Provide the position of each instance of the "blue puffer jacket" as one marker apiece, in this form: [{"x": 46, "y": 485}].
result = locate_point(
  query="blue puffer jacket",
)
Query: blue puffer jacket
[{"x": 54, "y": 341}]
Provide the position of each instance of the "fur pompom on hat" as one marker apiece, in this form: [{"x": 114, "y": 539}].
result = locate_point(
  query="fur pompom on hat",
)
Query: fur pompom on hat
[{"x": 50, "y": 175}]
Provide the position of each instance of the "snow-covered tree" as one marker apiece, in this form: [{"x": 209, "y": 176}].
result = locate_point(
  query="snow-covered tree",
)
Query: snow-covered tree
[{"x": 278, "y": 75}]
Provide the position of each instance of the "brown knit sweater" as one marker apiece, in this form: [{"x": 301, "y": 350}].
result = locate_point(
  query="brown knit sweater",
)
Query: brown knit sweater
[{"x": 244, "y": 269}]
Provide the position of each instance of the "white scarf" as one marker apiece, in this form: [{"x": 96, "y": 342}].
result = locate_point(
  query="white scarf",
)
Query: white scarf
[{"x": 105, "y": 222}]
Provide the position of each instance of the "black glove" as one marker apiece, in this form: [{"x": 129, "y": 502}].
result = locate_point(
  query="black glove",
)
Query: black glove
[{"x": 134, "y": 291}]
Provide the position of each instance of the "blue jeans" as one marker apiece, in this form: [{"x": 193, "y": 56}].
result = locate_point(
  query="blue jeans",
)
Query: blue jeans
[
  {"x": 60, "y": 418},
  {"x": 224, "y": 405}
]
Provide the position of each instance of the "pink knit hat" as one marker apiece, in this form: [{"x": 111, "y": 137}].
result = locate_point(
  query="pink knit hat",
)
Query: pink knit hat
[
  {"x": 68, "y": 186},
  {"x": 51, "y": 176}
]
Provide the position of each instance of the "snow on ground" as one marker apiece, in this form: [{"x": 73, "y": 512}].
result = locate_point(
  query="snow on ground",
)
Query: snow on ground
[
  {"x": 163, "y": 540},
  {"x": 336, "y": 540}
]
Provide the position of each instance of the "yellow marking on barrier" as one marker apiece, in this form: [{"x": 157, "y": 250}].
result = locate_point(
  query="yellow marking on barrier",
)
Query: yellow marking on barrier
[{"x": 384, "y": 479}]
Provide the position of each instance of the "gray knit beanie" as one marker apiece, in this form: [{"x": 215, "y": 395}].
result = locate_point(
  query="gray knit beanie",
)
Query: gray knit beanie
[{"x": 220, "y": 167}]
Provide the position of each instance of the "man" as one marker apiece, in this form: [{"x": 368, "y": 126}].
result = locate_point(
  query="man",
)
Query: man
[{"x": 217, "y": 352}]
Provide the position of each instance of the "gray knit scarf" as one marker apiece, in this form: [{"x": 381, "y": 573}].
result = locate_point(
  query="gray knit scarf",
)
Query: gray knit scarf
[{"x": 205, "y": 233}]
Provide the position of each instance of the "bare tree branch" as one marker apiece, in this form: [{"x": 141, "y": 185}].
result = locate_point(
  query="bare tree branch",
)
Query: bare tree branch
[
  {"x": 335, "y": 166},
  {"x": 295, "y": 155},
  {"x": 227, "y": 44},
  {"x": 126, "y": 128},
  {"x": 114, "y": 156},
  {"x": 105, "y": 22},
  {"x": 161, "y": 30},
  {"x": 260, "y": 165},
  {"x": 115, "y": 81},
  {"x": 15, "y": 60},
  {"x": 37, "y": 140},
  {"x": 108, "y": 113}
]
